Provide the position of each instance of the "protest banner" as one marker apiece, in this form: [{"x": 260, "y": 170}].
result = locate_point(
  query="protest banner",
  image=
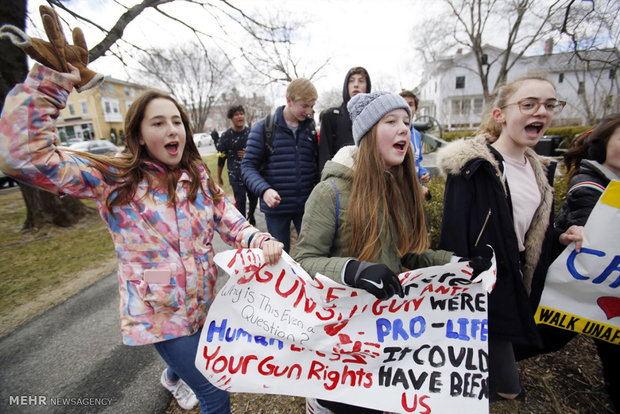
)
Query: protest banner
[
  {"x": 274, "y": 329},
  {"x": 581, "y": 289}
]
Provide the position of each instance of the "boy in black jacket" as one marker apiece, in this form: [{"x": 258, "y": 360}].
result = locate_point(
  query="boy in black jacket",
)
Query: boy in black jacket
[{"x": 336, "y": 123}]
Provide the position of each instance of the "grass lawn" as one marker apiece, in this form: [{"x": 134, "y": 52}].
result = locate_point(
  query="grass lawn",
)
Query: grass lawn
[{"x": 35, "y": 264}]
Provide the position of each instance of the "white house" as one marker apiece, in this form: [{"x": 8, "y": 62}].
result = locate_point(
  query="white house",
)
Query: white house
[{"x": 451, "y": 90}]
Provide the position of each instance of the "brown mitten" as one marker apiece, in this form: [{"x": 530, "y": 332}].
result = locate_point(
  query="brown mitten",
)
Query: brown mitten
[{"x": 57, "y": 52}]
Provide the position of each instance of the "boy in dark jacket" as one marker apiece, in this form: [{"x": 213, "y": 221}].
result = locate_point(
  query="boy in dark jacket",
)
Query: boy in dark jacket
[
  {"x": 284, "y": 175},
  {"x": 232, "y": 144},
  {"x": 336, "y": 122}
]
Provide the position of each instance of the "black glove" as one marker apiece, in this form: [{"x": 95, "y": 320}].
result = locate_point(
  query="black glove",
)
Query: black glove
[
  {"x": 375, "y": 278},
  {"x": 479, "y": 264}
]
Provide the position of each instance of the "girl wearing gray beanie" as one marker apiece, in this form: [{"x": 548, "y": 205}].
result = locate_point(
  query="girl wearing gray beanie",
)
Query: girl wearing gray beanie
[{"x": 364, "y": 222}]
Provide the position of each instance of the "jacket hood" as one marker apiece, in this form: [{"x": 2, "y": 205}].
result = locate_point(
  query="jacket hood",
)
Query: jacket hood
[
  {"x": 452, "y": 158},
  {"x": 345, "y": 89},
  {"x": 342, "y": 162},
  {"x": 592, "y": 167}
]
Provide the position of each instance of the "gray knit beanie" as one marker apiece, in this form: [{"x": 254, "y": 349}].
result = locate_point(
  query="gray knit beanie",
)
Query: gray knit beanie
[{"x": 366, "y": 109}]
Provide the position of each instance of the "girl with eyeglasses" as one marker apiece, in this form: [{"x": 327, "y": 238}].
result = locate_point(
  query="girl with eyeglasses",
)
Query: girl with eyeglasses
[{"x": 499, "y": 192}]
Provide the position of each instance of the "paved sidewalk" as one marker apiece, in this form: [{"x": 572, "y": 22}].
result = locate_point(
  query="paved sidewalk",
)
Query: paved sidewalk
[{"x": 71, "y": 360}]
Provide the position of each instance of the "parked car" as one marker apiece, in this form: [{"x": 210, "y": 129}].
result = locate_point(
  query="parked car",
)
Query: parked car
[
  {"x": 97, "y": 146},
  {"x": 6, "y": 180},
  {"x": 203, "y": 139},
  {"x": 72, "y": 141},
  {"x": 550, "y": 145}
]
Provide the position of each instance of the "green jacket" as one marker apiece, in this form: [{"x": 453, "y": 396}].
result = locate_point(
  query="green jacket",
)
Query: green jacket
[{"x": 317, "y": 228}]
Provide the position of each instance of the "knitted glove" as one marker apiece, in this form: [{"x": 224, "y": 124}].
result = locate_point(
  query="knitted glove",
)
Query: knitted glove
[
  {"x": 375, "y": 278},
  {"x": 57, "y": 52}
]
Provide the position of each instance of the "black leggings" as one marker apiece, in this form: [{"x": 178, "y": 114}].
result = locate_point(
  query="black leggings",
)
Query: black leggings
[{"x": 503, "y": 372}]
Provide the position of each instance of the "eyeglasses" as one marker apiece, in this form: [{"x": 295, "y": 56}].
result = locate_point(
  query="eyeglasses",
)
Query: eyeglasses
[{"x": 529, "y": 106}]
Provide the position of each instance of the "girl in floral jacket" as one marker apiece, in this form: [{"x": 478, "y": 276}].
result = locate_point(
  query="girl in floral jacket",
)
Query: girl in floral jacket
[{"x": 159, "y": 202}]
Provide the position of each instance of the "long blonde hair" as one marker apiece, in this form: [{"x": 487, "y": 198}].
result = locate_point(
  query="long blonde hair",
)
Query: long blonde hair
[
  {"x": 129, "y": 169},
  {"x": 391, "y": 197}
]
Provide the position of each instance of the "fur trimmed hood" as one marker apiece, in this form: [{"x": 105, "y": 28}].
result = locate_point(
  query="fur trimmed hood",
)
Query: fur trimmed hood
[
  {"x": 345, "y": 155},
  {"x": 340, "y": 164},
  {"x": 452, "y": 160}
]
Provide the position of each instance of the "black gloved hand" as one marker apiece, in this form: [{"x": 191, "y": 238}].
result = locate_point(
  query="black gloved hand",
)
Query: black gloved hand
[
  {"x": 375, "y": 278},
  {"x": 479, "y": 264}
]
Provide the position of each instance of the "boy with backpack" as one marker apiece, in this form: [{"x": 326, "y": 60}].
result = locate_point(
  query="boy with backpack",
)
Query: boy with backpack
[{"x": 280, "y": 162}]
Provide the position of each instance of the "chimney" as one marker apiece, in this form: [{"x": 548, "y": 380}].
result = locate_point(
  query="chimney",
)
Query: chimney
[
  {"x": 459, "y": 51},
  {"x": 548, "y": 47}
]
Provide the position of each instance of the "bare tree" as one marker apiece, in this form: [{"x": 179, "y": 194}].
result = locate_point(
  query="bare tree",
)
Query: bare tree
[
  {"x": 593, "y": 29},
  {"x": 193, "y": 76},
  {"x": 42, "y": 207},
  {"x": 269, "y": 48},
  {"x": 68, "y": 211},
  {"x": 272, "y": 54},
  {"x": 330, "y": 98},
  {"x": 255, "y": 106},
  {"x": 594, "y": 85},
  {"x": 473, "y": 24}
]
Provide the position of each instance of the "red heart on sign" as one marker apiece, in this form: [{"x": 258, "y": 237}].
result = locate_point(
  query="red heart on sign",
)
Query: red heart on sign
[{"x": 610, "y": 305}]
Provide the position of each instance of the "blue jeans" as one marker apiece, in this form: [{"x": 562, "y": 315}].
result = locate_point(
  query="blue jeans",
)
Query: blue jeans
[
  {"x": 179, "y": 354},
  {"x": 240, "y": 191},
  {"x": 279, "y": 225}
]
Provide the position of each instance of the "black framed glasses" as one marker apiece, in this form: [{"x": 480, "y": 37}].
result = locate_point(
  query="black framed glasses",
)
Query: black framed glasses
[{"x": 529, "y": 106}]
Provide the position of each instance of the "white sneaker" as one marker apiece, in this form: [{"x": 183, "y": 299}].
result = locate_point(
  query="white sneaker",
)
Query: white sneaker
[
  {"x": 181, "y": 392},
  {"x": 313, "y": 407}
]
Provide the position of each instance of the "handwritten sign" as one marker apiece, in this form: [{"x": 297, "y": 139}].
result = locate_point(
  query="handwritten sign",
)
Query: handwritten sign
[
  {"x": 581, "y": 289},
  {"x": 274, "y": 329}
]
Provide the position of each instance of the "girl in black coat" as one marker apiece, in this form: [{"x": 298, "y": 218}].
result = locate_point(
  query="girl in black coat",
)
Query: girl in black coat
[{"x": 499, "y": 192}]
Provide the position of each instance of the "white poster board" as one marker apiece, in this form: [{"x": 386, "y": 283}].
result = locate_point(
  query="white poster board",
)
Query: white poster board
[
  {"x": 581, "y": 291},
  {"x": 275, "y": 330}
]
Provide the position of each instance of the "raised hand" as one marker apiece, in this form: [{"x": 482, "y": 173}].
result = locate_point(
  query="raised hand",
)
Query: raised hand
[{"x": 57, "y": 53}]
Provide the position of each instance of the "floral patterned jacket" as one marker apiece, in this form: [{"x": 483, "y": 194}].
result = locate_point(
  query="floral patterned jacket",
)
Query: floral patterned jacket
[{"x": 166, "y": 272}]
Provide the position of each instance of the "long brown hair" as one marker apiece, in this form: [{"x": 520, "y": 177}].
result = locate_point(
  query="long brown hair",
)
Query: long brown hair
[
  {"x": 129, "y": 169},
  {"x": 591, "y": 145},
  {"x": 394, "y": 194},
  {"x": 499, "y": 98}
]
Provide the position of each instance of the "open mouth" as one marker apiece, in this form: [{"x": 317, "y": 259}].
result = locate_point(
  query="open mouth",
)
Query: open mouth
[
  {"x": 172, "y": 148},
  {"x": 534, "y": 128},
  {"x": 401, "y": 145}
]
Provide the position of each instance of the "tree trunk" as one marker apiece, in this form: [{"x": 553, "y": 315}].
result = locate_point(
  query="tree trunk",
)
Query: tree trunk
[
  {"x": 47, "y": 208},
  {"x": 42, "y": 207}
]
